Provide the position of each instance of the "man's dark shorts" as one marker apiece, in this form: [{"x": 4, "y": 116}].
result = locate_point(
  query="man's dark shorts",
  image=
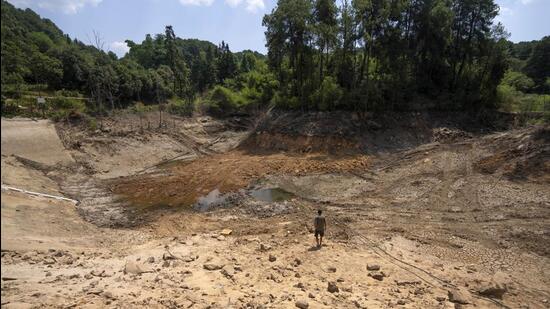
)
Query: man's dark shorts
[{"x": 319, "y": 233}]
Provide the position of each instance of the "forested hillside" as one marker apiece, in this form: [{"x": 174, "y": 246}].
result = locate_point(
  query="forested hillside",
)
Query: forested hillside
[
  {"x": 362, "y": 55},
  {"x": 375, "y": 54}
]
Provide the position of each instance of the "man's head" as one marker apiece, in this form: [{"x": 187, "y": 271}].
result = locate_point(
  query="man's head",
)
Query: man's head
[{"x": 319, "y": 212}]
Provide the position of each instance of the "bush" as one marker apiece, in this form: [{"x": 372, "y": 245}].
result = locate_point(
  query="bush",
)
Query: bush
[
  {"x": 512, "y": 100},
  {"x": 518, "y": 80},
  {"x": 68, "y": 93},
  {"x": 62, "y": 103},
  {"x": 180, "y": 107},
  {"x": 223, "y": 101}
]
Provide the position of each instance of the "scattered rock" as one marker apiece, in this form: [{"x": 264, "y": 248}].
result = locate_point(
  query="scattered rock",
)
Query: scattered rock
[
  {"x": 372, "y": 267},
  {"x": 402, "y": 282},
  {"x": 332, "y": 287},
  {"x": 377, "y": 275},
  {"x": 212, "y": 266},
  {"x": 272, "y": 258},
  {"x": 189, "y": 258},
  {"x": 226, "y": 232},
  {"x": 459, "y": 296},
  {"x": 95, "y": 291},
  {"x": 310, "y": 295},
  {"x": 151, "y": 259},
  {"x": 265, "y": 247},
  {"x": 302, "y": 304},
  {"x": 135, "y": 268},
  {"x": 331, "y": 269},
  {"x": 166, "y": 264},
  {"x": 220, "y": 238},
  {"x": 492, "y": 289}
]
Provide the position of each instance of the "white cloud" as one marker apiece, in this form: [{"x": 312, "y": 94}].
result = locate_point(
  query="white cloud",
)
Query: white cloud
[
  {"x": 255, "y": 5},
  {"x": 251, "y": 5},
  {"x": 197, "y": 2},
  {"x": 66, "y": 6},
  {"x": 119, "y": 48},
  {"x": 233, "y": 3}
]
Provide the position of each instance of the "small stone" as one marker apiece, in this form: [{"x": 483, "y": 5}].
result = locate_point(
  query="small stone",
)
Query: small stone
[
  {"x": 310, "y": 295},
  {"x": 212, "y": 266},
  {"x": 220, "y": 238},
  {"x": 459, "y": 296},
  {"x": 332, "y": 287},
  {"x": 134, "y": 268},
  {"x": 166, "y": 264},
  {"x": 151, "y": 259},
  {"x": 493, "y": 290},
  {"x": 302, "y": 304},
  {"x": 376, "y": 275},
  {"x": 401, "y": 302},
  {"x": 226, "y": 232},
  {"x": 272, "y": 258},
  {"x": 372, "y": 267},
  {"x": 265, "y": 247},
  {"x": 331, "y": 269}
]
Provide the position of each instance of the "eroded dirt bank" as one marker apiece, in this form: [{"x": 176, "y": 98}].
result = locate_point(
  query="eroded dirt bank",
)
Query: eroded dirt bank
[{"x": 440, "y": 217}]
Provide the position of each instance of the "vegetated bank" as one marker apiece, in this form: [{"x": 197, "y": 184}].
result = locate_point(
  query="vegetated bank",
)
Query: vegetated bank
[{"x": 359, "y": 56}]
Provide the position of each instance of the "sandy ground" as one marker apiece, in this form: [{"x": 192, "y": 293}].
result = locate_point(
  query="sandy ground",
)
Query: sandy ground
[{"x": 455, "y": 225}]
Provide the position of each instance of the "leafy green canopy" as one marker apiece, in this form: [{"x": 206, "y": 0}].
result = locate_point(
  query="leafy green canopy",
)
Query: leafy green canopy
[
  {"x": 377, "y": 54},
  {"x": 35, "y": 51}
]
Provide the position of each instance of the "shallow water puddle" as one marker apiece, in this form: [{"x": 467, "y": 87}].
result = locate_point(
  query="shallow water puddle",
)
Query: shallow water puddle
[{"x": 271, "y": 195}]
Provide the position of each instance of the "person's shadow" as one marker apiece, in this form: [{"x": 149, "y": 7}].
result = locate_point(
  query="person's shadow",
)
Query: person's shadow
[{"x": 314, "y": 248}]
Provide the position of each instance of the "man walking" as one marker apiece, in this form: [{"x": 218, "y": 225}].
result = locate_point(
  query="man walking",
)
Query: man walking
[{"x": 319, "y": 223}]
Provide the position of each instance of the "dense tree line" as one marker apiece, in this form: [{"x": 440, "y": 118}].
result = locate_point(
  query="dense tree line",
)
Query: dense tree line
[
  {"x": 359, "y": 55},
  {"x": 35, "y": 51},
  {"x": 370, "y": 54}
]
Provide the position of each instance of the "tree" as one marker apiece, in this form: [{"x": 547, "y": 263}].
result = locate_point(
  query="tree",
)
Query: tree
[
  {"x": 227, "y": 65},
  {"x": 538, "y": 65},
  {"x": 46, "y": 70},
  {"x": 181, "y": 85}
]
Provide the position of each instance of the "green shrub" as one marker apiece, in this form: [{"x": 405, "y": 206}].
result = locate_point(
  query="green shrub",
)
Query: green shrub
[
  {"x": 92, "y": 123},
  {"x": 62, "y": 103},
  {"x": 68, "y": 93},
  {"x": 518, "y": 80},
  {"x": 180, "y": 107},
  {"x": 223, "y": 100}
]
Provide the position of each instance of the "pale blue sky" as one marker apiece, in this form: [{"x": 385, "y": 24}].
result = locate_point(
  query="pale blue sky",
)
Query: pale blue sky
[{"x": 238, "y": 22}]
